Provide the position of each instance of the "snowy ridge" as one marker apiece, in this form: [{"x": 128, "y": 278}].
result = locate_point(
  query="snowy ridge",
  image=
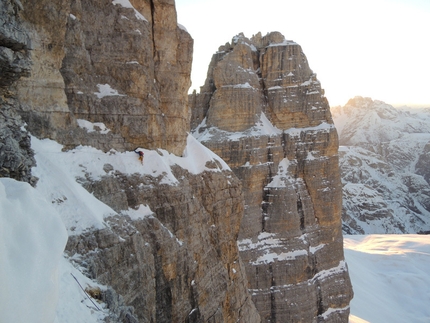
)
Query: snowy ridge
[
  {"x": 331, "y": 311},
  {"x": 93, "y": 126},
  {"x": 328, "y": 273},
  {"x": 59, "y": 171},
  {"x": 381, "y": 122},
  {"x": 245, "y": 85},
  {"x": 262, "y": 127},
  {"x": 106, "y": 90},
  {"x": 285, "y": 42},
  {"x": 322, "y": 126},
  {"x": 273, "y": 248}
]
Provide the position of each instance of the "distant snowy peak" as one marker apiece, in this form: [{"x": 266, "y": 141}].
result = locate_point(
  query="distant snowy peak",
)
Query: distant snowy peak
[
  {"x": 363, "y": 121},
  {"x": 384, "y": 158}
]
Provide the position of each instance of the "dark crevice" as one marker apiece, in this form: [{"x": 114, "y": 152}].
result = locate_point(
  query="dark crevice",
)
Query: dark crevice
[
  {"x": 272, "y": 297},
  {"x": 266, "y": 191},
  {"x": 154, "y": 54},
  {"x": 194, "y": 316},
  {"x": 264, "y": 207},
  {"x": 320, "y": 304},
  {"x": 300, "y": 212}
]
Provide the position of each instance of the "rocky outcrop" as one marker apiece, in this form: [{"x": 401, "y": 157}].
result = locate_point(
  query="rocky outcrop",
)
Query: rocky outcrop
[
  {"x": 14, "y": 45},
  {"x": 180, "y": 263},
  {"x": 263, "y": 111},
  {"x": 16, "y": 156}
]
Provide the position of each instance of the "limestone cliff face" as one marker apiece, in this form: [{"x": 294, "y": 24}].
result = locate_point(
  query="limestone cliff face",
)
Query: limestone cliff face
[
  {"x": 263, "y": 111},
  {"x": 126, "y": 67},
  {"x": 126, "y": 70},
  {"x": 67, "y": 63},
  {"x": 180, "y": 264}
]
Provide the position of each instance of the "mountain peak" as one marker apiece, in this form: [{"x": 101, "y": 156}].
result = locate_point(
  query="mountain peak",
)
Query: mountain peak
[{"x": 384, "y": 169}]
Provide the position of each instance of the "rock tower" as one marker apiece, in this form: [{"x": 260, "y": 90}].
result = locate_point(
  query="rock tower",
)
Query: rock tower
[{"x": 263, "y": 111}]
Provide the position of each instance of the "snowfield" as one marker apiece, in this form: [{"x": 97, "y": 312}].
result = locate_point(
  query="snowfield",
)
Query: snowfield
[
  {"x": 390, "y": 277},
  {"x": 32, "y": 240}
]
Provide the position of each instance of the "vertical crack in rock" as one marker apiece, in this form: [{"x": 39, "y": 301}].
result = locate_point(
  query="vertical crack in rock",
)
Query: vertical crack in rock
[
  {"x": 300, "y": 212},
  {"x": 154, "y": 47},
  {"x": 320, "y": 301},
  {"x": 273, "y": 292},
  {"x": 264, "y": 208}
]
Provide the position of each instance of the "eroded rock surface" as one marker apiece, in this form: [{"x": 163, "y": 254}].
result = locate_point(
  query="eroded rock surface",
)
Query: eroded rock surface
[
  {"x": 16, "y": 155},
  {"x": 180, "y": 264},
  {"x": 115, "y": 77},
  {"x": 102, "y": 62},
  {"x": 263, "y": 111}
]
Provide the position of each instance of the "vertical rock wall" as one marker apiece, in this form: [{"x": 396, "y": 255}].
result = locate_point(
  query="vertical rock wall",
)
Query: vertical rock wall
[
  {"x": 181, "y": 264},
  {"x": 64, "y": 61},
  {"x": 16, "y": 156},
  {"x": 263, "y": 111},
  {"x": 127, "y": 67}
]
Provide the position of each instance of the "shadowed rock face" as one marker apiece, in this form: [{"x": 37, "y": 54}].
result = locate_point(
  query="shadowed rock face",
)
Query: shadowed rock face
[
  {"x": 263, "y": 111},
  {"x": 16, "y": 155},
  {"x": 181, "y": 264}
]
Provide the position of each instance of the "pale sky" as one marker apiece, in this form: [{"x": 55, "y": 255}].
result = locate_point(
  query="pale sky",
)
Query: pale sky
[{"x": 372, "y": 48}]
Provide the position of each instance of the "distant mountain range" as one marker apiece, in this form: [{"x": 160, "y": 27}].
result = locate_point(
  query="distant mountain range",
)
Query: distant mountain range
[{"x": 384, "y": 158}]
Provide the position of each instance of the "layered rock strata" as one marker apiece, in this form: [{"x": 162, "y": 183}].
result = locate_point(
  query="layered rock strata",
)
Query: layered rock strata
[
  {"x": 107, "y": 62},
  {"x": 263, "y": 111},
  {"x": 180, "y": 263},
  {"x": 115, "y": 75}
]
